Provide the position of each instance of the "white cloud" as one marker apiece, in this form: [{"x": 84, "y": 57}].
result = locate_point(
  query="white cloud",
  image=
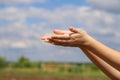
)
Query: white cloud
[
  {"x": 4, "y": 42},
  {"x": 17, "y": 32},
  {"x": 67, "y": 15},
  {"x": 27, "y": 34},
  {"x": 13, "y": 44},
  {"x": 21, "y": 1},
  {"x": 19, "y": 44},
  {"x": 108, "y": 5}
]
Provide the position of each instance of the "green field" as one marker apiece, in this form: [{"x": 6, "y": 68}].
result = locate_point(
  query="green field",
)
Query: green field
[
  {"x": 24, "y": 69},
  {"x": 37, "y": 74},
  {"x": 47, "y": 77}
]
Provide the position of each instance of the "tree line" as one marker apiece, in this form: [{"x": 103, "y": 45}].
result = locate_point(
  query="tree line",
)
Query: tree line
[{"x": 22, "y": 62}]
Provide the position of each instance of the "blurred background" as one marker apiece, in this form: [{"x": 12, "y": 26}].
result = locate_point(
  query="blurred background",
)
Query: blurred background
[{"x": 24, "y": 56}]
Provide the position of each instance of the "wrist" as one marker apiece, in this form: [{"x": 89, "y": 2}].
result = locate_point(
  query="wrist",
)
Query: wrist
[
  {"x": 88, "y": 41},
  {"x": 91, "y": 42}
]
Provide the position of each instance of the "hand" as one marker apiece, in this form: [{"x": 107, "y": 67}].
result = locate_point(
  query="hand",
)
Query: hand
[
  {"x": 72, "y": 38},
  {"x": 59, "y": 33}
]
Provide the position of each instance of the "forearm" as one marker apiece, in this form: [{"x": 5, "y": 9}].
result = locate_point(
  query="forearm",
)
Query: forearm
[
  {"x": 105, "y": 67},
  {"x": 107, "y": 54}
]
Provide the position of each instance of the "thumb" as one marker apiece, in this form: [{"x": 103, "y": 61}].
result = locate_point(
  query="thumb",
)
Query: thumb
[{"x": 74, "y": 30}]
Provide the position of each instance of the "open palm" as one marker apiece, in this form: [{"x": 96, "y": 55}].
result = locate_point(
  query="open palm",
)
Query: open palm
[{"x": 72, "y": 37}]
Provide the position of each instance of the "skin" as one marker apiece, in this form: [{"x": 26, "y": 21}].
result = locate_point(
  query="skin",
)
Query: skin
[
  {"x": 104, "y": 66},
  {"x": 107, "y": 59}
]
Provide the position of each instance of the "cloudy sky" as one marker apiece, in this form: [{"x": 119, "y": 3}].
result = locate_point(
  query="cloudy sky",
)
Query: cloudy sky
[{"x": 23, "y": 22}]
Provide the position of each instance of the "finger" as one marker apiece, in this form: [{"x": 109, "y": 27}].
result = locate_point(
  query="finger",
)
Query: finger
[
  {"x": 65, "y": 37},
  {"x": 62, "y": 41},
  {"x": 60, "y": 44},
  {"x": 61, "y": 32},
  {"x": 57, "y": 42},
  {"x": 54, "y": 43},
  {"x": 72, "y": 29},
  {"x": 50, "y": 41},
  {"x": 46, "y": 38}
]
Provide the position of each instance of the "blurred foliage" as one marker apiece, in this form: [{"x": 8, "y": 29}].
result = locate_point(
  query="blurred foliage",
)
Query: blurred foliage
[
  {"x": 24, "y": 66},
  {"x": 3, "y": 62},
  {"x": 24, "y": 62}
]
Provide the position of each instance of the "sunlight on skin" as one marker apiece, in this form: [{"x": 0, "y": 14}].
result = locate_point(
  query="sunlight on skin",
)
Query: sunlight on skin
[
  {"x": 69, "y": 38},
  {"x": 57, "y": 34},
  {"x": 107, "y": 59}
]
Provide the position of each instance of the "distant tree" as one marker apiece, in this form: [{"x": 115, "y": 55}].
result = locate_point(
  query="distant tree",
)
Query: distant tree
[
  {"x": 3, "y": 62},
  {"x": 23, "y": 62},
  {"x": 37, "y": 64}
]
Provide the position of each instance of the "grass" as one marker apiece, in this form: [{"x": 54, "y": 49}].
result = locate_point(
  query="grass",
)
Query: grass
[
  {"x": 36, "y": 71},
  {"x": 76, "y": 73}
]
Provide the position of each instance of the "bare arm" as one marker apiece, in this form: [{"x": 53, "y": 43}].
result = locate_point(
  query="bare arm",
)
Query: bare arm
[
  {"x": 81, "y": 38},
  {"x": 105, "y": 67},
  {"x": 100, "y": 54},
  {"x": 107, "y": 54}
]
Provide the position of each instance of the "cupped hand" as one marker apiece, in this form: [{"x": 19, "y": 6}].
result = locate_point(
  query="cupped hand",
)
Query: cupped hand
[{"x": 71, "y": 38}]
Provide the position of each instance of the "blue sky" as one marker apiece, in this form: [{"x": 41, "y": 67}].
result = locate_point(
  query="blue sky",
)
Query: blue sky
[
  {"x": 23, "y": 22},
  {"x": 47, "y": 3}
]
